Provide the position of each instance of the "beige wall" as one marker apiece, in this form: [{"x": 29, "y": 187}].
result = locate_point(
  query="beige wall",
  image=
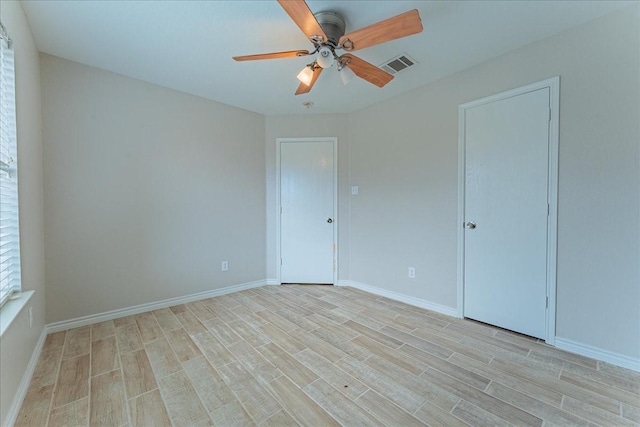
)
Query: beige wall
[
  {"x": 303, "y": 126},
  {"x": 404, "y": 154},
  {"x": 147, "y": 190},
  {"x": 18, "y": 342}
]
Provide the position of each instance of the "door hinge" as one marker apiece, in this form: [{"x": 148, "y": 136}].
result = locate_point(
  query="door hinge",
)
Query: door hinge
[
  {"x": 548, "y": 209},
  {"x": 280, "y": 261},
  {"x": 280, "y": 210},
  {"x": 549, "y": 114},
  {"x": 547, "y": 302}
]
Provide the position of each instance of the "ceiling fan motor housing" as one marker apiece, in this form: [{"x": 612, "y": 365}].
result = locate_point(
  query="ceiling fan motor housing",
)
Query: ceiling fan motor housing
[{"x": 333, "y": 26}]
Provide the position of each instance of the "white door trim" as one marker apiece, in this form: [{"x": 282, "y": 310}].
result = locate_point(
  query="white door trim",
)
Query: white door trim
[
  {"x": 552, "y": 230},
  {"x": 279, "y": 142}
]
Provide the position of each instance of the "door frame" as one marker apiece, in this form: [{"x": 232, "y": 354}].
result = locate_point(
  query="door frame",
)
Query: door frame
[
  {"x": 553, "y": 84},
  {"x": 279, "y": 142}
]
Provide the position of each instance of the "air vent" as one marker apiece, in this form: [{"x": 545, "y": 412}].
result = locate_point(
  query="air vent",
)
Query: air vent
[{"x": 397, "y": 64}]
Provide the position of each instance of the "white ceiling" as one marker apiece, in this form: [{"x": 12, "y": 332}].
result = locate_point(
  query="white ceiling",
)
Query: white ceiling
[{"x": 188, "y": 45}]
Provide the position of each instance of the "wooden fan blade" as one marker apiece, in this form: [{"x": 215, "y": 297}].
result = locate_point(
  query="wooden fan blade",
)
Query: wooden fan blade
[
  {"x": 366, "y": 71},
  {"x": 303, "y": 88},
  {"x": 303, "y": 17},
  {"x": 274, "y": 55},
  {"x": 399, "y": 26}
]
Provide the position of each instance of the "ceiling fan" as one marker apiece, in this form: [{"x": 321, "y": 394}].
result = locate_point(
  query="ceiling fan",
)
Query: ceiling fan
[{"x": 326, "y": 30}]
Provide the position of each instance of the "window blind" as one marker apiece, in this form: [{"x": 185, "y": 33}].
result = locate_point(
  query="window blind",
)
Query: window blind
[{"x": 9, "y": 229}]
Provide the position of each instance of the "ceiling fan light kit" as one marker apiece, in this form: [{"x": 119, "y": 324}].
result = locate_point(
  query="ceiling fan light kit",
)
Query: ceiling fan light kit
[
  {"x": 325, "y": 57},
  {"x": 346, "y": 75},
  {"x": 306, "y": 75},
  {"x": 326, "y": 30}
]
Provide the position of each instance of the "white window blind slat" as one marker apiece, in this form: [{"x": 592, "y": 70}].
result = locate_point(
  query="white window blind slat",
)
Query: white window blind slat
[{"x": 9, "y": 228}]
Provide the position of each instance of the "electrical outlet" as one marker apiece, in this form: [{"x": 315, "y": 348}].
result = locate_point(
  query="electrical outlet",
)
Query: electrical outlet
[
  {"x": 224, "y": 266},
  {"x": 412, "y": 273},
  {"x": 30, "y": 317},
  {"x": 354, "y": 190}
]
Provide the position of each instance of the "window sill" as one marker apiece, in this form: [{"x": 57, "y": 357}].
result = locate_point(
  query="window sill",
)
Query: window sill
[{"x": 11, "y": 309}]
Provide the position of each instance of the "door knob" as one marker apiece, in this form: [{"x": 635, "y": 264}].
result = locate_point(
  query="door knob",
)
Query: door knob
[
  {"x": 329, "y": 220},
  {"x": 470, "y": 225}
]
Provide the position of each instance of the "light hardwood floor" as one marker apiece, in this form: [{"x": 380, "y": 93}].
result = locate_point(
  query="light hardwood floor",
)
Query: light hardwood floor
[{"x": 316, "y": 356}]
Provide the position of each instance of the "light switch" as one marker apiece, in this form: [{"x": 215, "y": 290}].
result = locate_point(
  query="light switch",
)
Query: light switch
[{"x": 354, "y": 190}]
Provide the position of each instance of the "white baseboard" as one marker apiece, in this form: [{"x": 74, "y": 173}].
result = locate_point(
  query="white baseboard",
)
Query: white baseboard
[
  {"x": 428, "y": 305},
  {"x": 273, "y": 282},
  {"x": 142, "y": 308},
  {"x": 14, "y": 409},
  {"x": 598, "y": 354}
]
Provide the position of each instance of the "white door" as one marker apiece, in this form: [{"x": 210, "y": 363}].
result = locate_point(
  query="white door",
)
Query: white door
[
  {"x": 307, "y": 212},
  {"x": 506, "y": 212}
]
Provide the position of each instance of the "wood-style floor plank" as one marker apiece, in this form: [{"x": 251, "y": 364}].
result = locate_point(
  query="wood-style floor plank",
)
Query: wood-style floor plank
[
  {"x": 429, "y": 391},
  {"x": 128, "y": 337},
  {"x": 629, "y": 384},
  {"x": 402, "y": 360},
  {"x": 54, "y": 340},
  {"x": 296, "y": 371},
  {"x": 190, "y": 323},
  {"x": 162, "y": 358},
  {"x": 167, "y": 320},
  {"x": 104, "y": 356},
  {"x": 126, "y": 320},
  {"x": 182, "y": 401},
  {"x": 435, "y": 416},
  {"x": 46, "y": 370},
  {"x": 407, "y": 399},
  {"x": 222, "y": 331},
  {"x": 342, "y": 410},
  {"x": 284, "y": 340},
  {"x": 220, "y": 310},
  {"x": 298, "y": 318},
  {"x": 201, "y": 311},
  {"x": 298, "y": 404},
  {"x": 593, "y": 414},
  {"x": 108, "y": 405},
  {"x": 102, "y": 330},
  {"x": 381, "y": 338},
  {"x": 183, "y": 345},
  {"x": 208, "y": 383},
  {"x": 386, "y": 411},
  {"x": 446, "y": 341},
  {"x": 73, "y": 414},
  {"x": 254, "y": 362},
  {"x": 483, "y": 400},
  {"x": 231, "y": 415},
  {"x": 213, "y": 349},
  {"x": 446, "y": 367},
  {"x": 332, "y": 374},
  {"x": 280, "y": 419},
  {"x": 631, "y": 413},
  {"x": 77, "y": 342},
  {"x": 148, "y": 326},
  {"x": 534, "y": 406},
  {"x": 35, "y": 409},
  {"x": 543, "y": 394},
  {"x": 566, "y": 388},
  {"x": 471, "y": 415},
  {"x": 73, "y": 381},
  {"x": 249, "y": 334},
  {"x": 148, "y": 410},
  {"x": 259, "y": 404},
  {"x": 138, "y": 375}
]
